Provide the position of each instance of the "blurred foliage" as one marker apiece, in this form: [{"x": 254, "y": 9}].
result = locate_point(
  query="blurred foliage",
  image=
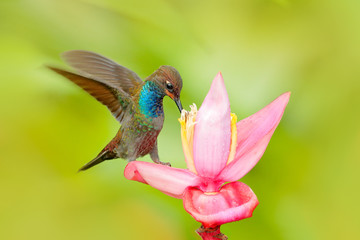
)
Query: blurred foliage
[{"x": 307, "y": 181}]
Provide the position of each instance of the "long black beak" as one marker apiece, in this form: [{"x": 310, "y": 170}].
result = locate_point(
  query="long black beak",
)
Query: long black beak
[{"x": 178, "y": 104}]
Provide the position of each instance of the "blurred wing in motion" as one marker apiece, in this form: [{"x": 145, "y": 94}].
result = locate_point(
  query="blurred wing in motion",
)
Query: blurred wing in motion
[{"x": 102, "y": 69}]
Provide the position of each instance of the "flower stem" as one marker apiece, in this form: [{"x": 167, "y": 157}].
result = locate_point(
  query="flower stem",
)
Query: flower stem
[{"x": 211, "y": 233}]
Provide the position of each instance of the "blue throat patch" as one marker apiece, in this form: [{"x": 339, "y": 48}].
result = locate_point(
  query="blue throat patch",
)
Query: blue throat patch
[{"x": 150, "y": 100}]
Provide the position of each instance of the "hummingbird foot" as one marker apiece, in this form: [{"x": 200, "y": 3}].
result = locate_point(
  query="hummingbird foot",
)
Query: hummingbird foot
[{"x": 162, "y": 163}]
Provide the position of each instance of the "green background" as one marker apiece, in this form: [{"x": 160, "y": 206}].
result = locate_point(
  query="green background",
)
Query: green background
[{"x": 307, "y": 181}]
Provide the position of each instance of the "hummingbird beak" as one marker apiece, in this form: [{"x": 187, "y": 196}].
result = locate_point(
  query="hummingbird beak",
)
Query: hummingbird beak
[{"x": 178, "y": 104}]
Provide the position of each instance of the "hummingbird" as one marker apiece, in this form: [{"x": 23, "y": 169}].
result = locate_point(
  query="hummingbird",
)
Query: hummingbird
[{"x": 136, "y": 104}]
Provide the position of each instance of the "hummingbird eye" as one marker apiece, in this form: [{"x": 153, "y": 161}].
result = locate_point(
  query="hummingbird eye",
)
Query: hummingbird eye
[{"x": 169, "y": 86}]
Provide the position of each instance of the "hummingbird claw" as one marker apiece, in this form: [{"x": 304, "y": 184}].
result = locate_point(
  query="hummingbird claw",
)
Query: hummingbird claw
[
  {"x": 162, "y": 163},
  {"x": 166, "y": 164}
]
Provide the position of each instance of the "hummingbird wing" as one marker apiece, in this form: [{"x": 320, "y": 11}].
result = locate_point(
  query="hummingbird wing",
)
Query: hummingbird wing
[
  {"x": 104, "y": 70},
  {"x": 109, "y": 96}
]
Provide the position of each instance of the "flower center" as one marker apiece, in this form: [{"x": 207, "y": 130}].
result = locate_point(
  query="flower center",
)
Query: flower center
[
  {"x": 187, "y": 122},
  {"x": 211, "y": 193}
]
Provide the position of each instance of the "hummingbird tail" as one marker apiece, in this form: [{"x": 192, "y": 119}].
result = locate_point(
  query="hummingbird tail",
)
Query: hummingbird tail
[{"x": 105, "y": 154}]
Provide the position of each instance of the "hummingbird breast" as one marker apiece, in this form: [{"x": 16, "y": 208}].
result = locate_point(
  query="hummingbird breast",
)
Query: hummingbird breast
[
  {"x": 139, "y": 136},
  {"x": 143, "y": 123},
  {"x": 148, "y": 131},
  {"x": 147, "y": 143}
]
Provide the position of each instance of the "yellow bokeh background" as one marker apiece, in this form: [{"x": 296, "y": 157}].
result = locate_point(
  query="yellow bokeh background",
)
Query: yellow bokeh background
[{"x": 308, "y": 180}]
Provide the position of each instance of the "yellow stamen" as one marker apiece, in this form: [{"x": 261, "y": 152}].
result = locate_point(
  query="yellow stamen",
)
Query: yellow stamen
[
  {"x": 187, "y": 122},
  {"x": 233, "y": 138}
]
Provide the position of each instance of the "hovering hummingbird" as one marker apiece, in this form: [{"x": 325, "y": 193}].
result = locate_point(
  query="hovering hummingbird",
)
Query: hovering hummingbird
[{"x": 136, "y": 104}]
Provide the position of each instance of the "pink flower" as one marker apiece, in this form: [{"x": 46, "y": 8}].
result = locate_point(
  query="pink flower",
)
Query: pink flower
[{"x": 217, "y": 150}]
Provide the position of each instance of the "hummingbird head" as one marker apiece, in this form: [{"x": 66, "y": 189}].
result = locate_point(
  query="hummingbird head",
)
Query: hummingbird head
[{"x": 170, "y": 82}]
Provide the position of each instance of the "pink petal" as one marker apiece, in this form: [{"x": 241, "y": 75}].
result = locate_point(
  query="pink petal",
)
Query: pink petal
[
  {"x": 212, "y": 131},
  {"x": 234, "y": 201},
  {"x": 254, "y": 134},
  {"x": 171, "y": 181}
]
